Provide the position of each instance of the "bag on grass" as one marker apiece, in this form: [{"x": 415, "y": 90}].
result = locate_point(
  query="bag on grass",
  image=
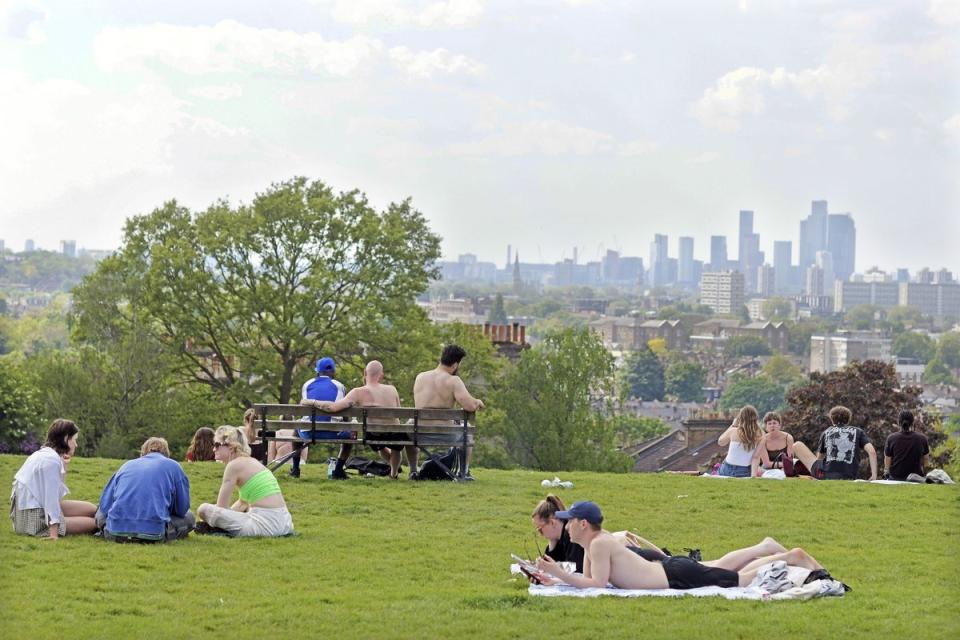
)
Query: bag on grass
[
  {"x": 365, "y": 466},
  {"x": 430, "y": 470}
]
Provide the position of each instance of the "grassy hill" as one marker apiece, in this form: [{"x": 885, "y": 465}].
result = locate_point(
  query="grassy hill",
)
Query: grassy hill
[{"x": 375, "y": 558}]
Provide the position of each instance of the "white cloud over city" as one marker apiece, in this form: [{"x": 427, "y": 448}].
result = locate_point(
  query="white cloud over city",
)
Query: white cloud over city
[{"x": 588, "y": 124}]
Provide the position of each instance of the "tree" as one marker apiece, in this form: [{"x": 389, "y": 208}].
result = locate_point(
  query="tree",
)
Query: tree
[
  {"x": 800, "y": 332},
  {"x": 870, "y": 389},
  {"x": 860, "y": 317},
  {"x": 914, "y": 345},
  {"x": 777, "y": 309},
  {"x": 937, "y": 372},
  {"x": 498, "y": 315},
  {"x": 948, "y": 349},
  {"x": 632, "y": 430},
  {"x": 781, "y": 370},
  {"x": 761, "y": 392},
  {"x": 685, "y": 381},
  {"x": 246, "y": 298},
  {"x": 550, "y": 421},
  {"x": 658, "y": 346},
  {"x": 747, "y": 346},
  {"x": 642, "y": 375},
  {"x": 19, "y": 406}
]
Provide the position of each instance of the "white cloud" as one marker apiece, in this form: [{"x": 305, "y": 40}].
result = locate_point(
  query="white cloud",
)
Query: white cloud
[
  {"x": 451, "y": 13},
  {"x": 637, "y": 148},
  {"x": 218, "y": 91},
  {"x": 884, "y": 135},
  {"x": 705, "y": 157},
  {"x": 945, "y": 12},
  {"x": 545, "y": 137},
  {"x": 229, "y": 46},
  {"x": 23, "y": 21},
  {"x": 952, "y": 127},
  {"x": 424, "y": 64}
]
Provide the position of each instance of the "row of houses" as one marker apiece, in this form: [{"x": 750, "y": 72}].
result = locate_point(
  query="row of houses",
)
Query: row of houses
[{"x": 634, "y": 332}]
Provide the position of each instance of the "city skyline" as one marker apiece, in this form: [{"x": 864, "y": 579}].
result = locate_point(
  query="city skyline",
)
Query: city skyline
[{"x": 538, "y": 124}]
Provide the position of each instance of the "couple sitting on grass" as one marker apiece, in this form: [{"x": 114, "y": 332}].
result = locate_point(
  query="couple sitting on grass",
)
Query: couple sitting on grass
[
  {"x": 147, "y": 499},
  {"x": 576, "y": 535}
]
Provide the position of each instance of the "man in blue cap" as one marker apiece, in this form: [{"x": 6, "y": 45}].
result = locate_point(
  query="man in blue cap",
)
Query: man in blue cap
[
  {"x": 608, "y": 562},
  {"x": 323, "y": 387}
]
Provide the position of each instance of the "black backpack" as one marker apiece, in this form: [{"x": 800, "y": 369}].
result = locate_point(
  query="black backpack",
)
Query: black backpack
[
  {"x": 364, "y": 466},
  {"x": 430, "y": 470}
]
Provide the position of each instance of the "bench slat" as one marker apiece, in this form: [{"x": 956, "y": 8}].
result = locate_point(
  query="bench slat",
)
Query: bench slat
[
  {"x": 404, "y": 413},
  {"x": 372, "y": 427}
]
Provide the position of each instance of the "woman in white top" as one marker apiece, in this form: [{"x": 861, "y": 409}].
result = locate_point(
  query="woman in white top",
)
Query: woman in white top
[
  {"x": 744, "y": 437},
  {"x": 37, "y": 507}
]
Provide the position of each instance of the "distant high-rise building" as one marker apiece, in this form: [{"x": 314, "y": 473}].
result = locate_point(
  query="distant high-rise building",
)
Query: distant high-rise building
[
  {"x": 766, "y": 280},
  {"x": 842, "y": 244},
  {"x": 940, "y": 300},
  {"x": 903, "y": 275},
  {"x": 68, "y": 248},
  {"x": 718, "y": 253},
  {"x": 885, "y": 295},
  {"x": 3, "y": 246},
  {"x": 509, "y": 256},
  {"x": 825, "y": 263},
  {"x": 813, "y": 234},
  {"x": 610, "y": 266},
  {"x": 722, "y": 291},
  {"x": 783, "y": 267},
  {"x": 685, "y": 261},
  {"x": 813, "y": 285},
  {"x": 28, "y": 245},
  {"x": 659, "y": 261},
  {"x": 748, "y": 250}
]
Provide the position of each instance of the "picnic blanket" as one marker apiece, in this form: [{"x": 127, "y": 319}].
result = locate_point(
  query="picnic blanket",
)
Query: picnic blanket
[{"x": 814, "y": 589}]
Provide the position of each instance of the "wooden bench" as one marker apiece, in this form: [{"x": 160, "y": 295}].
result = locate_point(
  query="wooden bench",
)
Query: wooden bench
[{"x": 370, "y": 426}]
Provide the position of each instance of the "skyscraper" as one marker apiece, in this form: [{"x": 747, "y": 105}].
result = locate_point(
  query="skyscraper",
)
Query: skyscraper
[
  {"x": 685, "y": 275},
  {"x": 813, "y": 234},
  {"x": 783, "y": 266},
  {"x": 842, "y": 244},
  {"x": 748, "y": 250},
  {"x": 718, "y": 253},
  {"x": 722, "y": 291},
  {"x": 659, "y": 261},
  {"x": 28, "y": 245}
]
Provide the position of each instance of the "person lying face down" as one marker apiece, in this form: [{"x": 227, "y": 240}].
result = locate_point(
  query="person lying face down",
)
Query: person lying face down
[
  {"x": 562, "y": 549},
  {"x": 608, "y": 562}
]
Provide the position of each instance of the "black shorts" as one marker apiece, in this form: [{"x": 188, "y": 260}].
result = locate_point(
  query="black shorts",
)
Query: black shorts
[
  {"x": 388, "y": 437},
  {"x": 686, "y": 573}
]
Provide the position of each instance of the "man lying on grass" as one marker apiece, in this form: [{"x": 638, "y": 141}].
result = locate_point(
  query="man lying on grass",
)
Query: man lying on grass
[{"x": 606, "y": 561}]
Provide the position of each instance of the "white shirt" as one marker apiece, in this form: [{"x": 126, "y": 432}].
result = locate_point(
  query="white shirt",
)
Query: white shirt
[
  {"x": 39, "y": 484},
  {"x": 738, "y": 454}
]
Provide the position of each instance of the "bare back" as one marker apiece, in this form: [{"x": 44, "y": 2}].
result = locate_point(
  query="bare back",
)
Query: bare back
[
  {"x": 375, "y": 395},
  {"x": 606, "y": 558}
]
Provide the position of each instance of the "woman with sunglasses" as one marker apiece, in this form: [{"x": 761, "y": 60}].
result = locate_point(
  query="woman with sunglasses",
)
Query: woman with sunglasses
[
  {"x": 561, "y": 549},
  {"x": 260, "y": 510}
]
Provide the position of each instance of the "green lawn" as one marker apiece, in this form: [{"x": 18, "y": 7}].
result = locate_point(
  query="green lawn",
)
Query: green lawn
[{"x": 375, "y": 558}]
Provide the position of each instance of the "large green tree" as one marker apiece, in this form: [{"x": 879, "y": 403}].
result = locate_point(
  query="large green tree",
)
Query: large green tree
[
  {"x": 685, "y": 380},
  {"x": 914, "y": 345},
  {"x": 553, "y": 413},
  {"x": 747, "y": 346},
  {"x": 948, "y": 349},
  {"x": 246, "y": 297},
  {"x": 20, "y": 406},
  {"x": 642, "y": 375},
  {"x": 764, "y": 394}
]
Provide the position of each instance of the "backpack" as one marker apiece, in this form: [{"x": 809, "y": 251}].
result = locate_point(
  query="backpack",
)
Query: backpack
[
  {"x": 430, "y": 470},
  {"x": 364, "y": 466}
]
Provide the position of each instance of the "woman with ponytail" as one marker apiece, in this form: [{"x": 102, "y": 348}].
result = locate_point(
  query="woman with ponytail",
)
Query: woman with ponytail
[{"x": 743, "y": 438}]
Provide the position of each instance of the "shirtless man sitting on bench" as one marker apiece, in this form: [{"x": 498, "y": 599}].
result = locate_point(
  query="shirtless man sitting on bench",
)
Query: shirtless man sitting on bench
[{"x": 607, "y": 561}]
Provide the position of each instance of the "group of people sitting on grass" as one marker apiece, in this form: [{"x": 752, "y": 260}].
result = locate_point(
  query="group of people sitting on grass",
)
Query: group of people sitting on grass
[
  {"x": 148, "y": 498},
  {"x": 582, "y": 554},
  {"x": 751, "y": 451}
]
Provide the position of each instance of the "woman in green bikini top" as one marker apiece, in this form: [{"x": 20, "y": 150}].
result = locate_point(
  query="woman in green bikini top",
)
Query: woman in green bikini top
[{"x": 261, "y": 510}]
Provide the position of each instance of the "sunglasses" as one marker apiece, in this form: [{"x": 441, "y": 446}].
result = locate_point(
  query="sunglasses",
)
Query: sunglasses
[{"x": 217, "y": 445}]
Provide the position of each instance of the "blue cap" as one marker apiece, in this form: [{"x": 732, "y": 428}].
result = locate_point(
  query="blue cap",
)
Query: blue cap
[
  {"x": 588, "y": 511},
  {"x": 325, "y": 365}
]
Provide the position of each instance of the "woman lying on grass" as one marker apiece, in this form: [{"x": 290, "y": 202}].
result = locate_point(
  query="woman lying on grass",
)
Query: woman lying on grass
[
  {"x": 561, "y": 549},
  {"x": 261, "y": 510},
  {"x": 37, "y": 506}
]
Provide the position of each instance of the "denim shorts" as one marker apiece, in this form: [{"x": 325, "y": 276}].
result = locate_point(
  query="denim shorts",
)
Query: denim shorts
[{"x": 733, "y": 470}]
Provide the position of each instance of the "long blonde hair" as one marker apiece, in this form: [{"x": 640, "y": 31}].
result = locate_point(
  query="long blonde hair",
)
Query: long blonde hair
[{"x": 748, "y": 427}]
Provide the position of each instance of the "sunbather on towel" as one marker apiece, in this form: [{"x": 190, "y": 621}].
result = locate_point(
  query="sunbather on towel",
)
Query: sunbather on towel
[
  {"x": 607, "y": 561},
  {"x": 561, "y": 549}
]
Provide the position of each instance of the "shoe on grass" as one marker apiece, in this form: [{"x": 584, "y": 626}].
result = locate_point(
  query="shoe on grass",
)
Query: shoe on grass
[{"x": 339, "y": 474}]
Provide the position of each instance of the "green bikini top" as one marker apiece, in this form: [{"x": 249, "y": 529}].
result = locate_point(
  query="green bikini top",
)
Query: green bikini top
[{"x": 259, "y": 486}]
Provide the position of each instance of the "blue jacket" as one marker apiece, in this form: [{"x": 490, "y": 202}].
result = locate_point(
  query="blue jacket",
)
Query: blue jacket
[{"x": 143, "y": 494}]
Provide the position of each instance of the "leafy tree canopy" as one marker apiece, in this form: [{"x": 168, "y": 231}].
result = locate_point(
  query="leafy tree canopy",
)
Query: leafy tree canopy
[
  {"x": 781, "y": 370},
  {"x": 246, "y": 298},
  {"x": 642, "y": 375},
  {"x": 747, "y": 346},
  {"x": 762, "y": 392},
  {"x": 685, "y": 381},
  {"x": 948, "y": 349},
  {"x": 914, "y": 345}
]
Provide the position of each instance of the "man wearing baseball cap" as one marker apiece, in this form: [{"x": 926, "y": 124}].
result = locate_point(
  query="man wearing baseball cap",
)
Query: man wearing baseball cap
[
  {"x": 607, "y": 562},
  {"x": 324, "y": 387}
]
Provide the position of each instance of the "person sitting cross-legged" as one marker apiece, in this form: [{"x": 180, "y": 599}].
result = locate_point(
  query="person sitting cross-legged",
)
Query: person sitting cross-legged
[
  {"x": 147, "y": 499},
  {"x": 838, "y": 450},
  {"x": 906, "y": 452},
  {"x": 261, "y": 509}
]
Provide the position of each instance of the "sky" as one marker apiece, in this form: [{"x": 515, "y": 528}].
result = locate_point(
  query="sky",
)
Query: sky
[{"x": 546, "y": 125}]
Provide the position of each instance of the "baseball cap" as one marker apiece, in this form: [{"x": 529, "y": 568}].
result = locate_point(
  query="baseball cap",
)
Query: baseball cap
[
  {"x": 588, "y": 511},
  {"x": 326, "y": 364}
]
